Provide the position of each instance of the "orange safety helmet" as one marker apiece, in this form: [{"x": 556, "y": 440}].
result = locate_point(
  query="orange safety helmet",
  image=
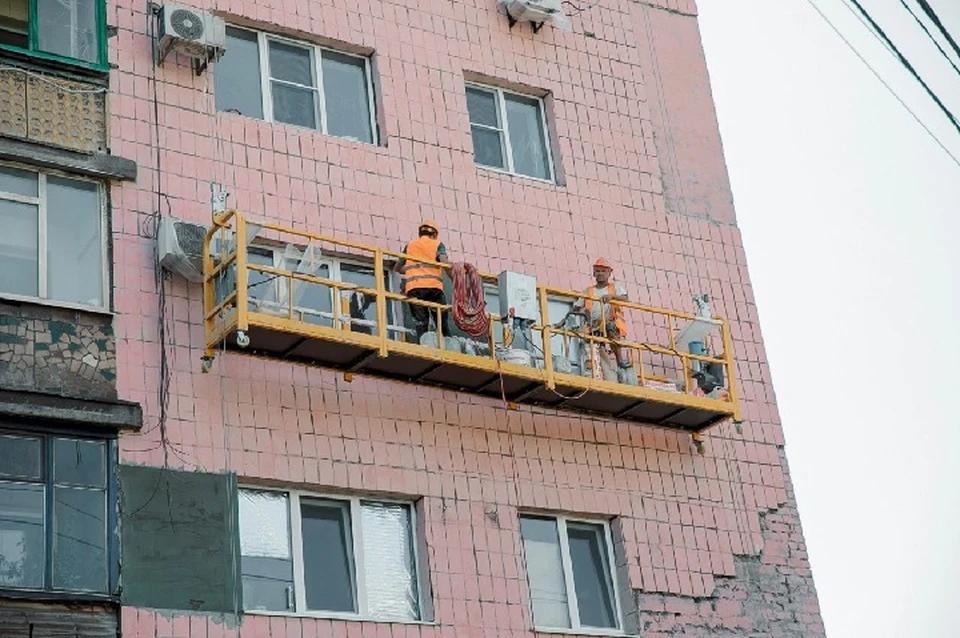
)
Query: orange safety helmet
[
  {"x": 602, "y": 263},
  {"x": 432, "y": 225}
]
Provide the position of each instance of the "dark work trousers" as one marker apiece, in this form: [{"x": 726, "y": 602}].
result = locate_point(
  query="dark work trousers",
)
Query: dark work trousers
[{"x": 422, "y": 315}]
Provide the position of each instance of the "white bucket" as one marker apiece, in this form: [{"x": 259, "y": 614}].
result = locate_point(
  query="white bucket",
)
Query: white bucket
[
  {"x": 450, "y": 344},
  {"x": 517, "y": 356}
]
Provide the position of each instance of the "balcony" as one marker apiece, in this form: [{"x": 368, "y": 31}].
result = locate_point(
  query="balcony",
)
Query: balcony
[{"x": 309, "y": 298}]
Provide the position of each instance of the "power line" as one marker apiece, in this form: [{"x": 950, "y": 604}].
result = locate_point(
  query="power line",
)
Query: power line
[
  {"x": 927, "y": 9},
  {"x": 929, "y": 35},
  {"x": 884, "y": 83},
  {"x": 906, "y": 64}
]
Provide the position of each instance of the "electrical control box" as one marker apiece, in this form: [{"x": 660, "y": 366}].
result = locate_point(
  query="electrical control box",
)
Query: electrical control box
[{"x": 518, "y": 295}]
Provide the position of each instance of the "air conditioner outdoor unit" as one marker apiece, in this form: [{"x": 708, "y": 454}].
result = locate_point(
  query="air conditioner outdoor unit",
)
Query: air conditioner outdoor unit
[
  {"x": 180, "y": 247},
  {"x": 194, "y": 33},
  {"x": 535, "y": 11}
]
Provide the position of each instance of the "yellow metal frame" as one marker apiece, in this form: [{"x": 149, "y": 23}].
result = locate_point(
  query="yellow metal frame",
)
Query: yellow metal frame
[{"x": 229, "y": 237}]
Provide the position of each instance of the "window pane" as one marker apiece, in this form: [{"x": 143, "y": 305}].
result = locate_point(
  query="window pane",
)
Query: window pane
[
  {"x": 487, "y": 147},
  {"x": 80, "y": 539},
  {"x": 327, "y": 556},
  {"x": 314, "y": 300},
  {"x": 77, "y": 462},
  {"x": 482, "y": 107},
  {"x": 591, "y": 575},
  {"x": 294, "y": 105},
  {"x": 548, "y": 589},
  {"x": 388, "y": 559},
  {"x": 529, "y": 147},
  {"x": 19, "y": 265},
  {"x": 20, "y": 457},
  {"x": 363, "y": 306},
  {"x": 13, "y": 180},
  {"x": 290, "y": 63},
  {"x": 74, "y": 241},
  {"x": 266, "y": 562},
  {"x": 68, "y": 28},
  {"x": 345, "y": 95},
  {"x": 237, "y": 75},
  {"x": 21, "y": 535},
  {"x": 13, "y": 24}
]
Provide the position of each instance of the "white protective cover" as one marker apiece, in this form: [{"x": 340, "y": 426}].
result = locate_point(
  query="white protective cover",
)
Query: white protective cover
[{"x": 537, "y": 11}]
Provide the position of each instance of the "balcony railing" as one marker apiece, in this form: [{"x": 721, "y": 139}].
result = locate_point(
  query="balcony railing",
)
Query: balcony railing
[{"x": 312, "y": 298}]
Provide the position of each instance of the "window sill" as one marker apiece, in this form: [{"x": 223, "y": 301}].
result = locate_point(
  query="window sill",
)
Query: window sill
[
  {"x": 319, "y": 615},
  {"x": 55, "y": 61},
  {"x": 62, "y": 305},
  {"x": 583, "y": 631},
  {"x": 503, "y": 171},
  {"x": 343, "y": 138},
  {"x": 57, "y": 596}
]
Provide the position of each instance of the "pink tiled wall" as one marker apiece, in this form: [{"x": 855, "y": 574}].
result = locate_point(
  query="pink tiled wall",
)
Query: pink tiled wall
[{"x": 686, "y": 518}]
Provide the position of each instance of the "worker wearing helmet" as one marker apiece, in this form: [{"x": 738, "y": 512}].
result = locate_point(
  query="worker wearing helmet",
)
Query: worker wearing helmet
[
  {"x": 607, "y": 320},
  {"x": 424, "y": 281}
]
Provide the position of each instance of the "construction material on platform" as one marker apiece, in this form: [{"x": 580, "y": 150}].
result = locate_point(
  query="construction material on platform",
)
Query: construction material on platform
[{"x": 469, "y": 306}]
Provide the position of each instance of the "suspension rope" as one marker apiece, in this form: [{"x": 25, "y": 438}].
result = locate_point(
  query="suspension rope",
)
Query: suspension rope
[{"x": 469, "y": 307}]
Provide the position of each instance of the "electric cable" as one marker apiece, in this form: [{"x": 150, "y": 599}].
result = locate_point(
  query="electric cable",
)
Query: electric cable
[
  {"x": 906, "y": 64},
  {"x": 885, "y": 84},
  {"x": 469, "y": 306},
  {"x": 930, "y": 13},
  {"x": 930, "y": 35}
]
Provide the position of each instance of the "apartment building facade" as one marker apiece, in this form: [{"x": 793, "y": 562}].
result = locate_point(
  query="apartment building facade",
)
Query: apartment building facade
[{"x": 159, "y": 478}]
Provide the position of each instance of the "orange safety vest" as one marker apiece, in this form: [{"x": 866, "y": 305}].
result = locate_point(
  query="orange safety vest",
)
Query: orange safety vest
[
  {"x": 420, "y": 275},
  {"x": 615, "y": 311}
]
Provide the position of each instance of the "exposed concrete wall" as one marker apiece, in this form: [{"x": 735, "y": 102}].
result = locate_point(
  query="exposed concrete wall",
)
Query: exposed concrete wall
[{"x": 57, "y": 351}]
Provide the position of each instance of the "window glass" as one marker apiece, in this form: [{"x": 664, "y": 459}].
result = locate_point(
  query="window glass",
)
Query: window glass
[
  {"x": 527, "y": 143},
  {"x": 363, "y": 306},
  {"x": 548, "y": 589},
  {"x": 591, "y": 575},
  {"x": 237, "y": 75},
  {"x": 482, "y": 106},
  {"x": 327, "y": 555},
  {"x": 345, "y": 94},
  {"x": 68, "y": 28},
  {"x": 20, "y": 457},
  {"x": 388, "y": 557},
  {"x": 74, "y": 241},
  {"x": 78, "y": 462},
  {"x": 294, "y": 105},
  {"x": 266, "y": 559},
  {"x": 19, "y": 261},
  {"x": 22, "y": 553},
  {"x": 18, "y": 182},
  {"x": 79, "y": 542},
  {"x": 487, "y": 147},
  {"x": 290, "y": 63},
  {"x": 291, "y": 72},
  {"x": 13, "y": 26}
]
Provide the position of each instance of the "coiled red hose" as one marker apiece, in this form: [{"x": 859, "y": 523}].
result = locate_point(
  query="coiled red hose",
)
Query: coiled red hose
[{"x": 469, "y": 306}]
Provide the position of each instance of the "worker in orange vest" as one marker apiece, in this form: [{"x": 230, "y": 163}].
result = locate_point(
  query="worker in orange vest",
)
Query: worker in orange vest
[
  {"x": 605, "y": 319},
  {"x": 425, "y": 281}
]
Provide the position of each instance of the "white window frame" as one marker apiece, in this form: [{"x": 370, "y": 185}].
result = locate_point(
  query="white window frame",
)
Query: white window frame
[
  {"x": 504, "y": 131},
  {"x": 573, "y": 608},
  {"x": 316, "y": 67},
  {"x": 356, "y": 534},
  {"x": 336, "y": 274},
  {"x": 41, "y": 203}
]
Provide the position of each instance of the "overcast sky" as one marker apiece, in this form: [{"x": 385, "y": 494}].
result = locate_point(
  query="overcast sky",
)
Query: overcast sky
[{"x": 851, "y": 214}]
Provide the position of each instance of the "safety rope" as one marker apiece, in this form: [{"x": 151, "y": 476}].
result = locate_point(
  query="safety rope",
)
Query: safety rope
[{"x": 469, "y": 307}]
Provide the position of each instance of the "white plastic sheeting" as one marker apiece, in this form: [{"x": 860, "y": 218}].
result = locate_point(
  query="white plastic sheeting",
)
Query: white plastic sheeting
[
  {"x": 264, "y": 524},
  {"x": 389, "y": 563}
]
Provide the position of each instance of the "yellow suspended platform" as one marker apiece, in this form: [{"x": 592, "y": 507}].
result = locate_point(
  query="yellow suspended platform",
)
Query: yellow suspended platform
[{"x": 314, "y": 299}]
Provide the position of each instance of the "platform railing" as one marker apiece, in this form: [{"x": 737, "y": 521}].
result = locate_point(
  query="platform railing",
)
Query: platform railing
[{"x": 665, "y": 365}]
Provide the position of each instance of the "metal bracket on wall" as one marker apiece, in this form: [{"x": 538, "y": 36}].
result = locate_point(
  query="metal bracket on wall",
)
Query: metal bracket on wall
[{"x": 512, "y": 21}]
